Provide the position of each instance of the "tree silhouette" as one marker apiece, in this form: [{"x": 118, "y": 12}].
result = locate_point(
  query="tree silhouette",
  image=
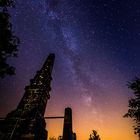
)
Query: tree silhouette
[
  {"x": 52, "y": 138},
  {"x": 8, "y": 41},
  {"x": 4, "y": 3},
  {"x": 60, "y": 138},
  {"x": 134, "y": 105},
  {"x": 94, "y": 135}
]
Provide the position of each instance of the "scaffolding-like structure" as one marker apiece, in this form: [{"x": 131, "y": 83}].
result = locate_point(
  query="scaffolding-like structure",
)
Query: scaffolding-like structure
[{"x": 27, "y": 121}]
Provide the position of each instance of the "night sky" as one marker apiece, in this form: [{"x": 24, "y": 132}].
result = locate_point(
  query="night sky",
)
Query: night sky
[{"x": 97, "y": 48}]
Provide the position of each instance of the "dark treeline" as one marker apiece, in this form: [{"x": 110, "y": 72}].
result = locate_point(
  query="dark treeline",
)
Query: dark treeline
[
  {"x": 134, "y": 105},
  {"x": 8, "y": 41},
  {"x": 93, "y": 136}
]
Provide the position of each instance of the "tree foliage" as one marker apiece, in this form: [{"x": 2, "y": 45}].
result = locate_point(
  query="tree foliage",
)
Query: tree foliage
[
  {"x": 5, "y": 3},
  {"x": 52, "y": 138},
  {"x": 8, "y": 41},
  {"x": 94, "y": 135},
  {"x": 60, "y": 138},
  {"x": 134, "y": 105}
]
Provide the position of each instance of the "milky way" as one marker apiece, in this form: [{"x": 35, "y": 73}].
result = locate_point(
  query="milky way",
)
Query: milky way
[{"x": 97, "y": 47}]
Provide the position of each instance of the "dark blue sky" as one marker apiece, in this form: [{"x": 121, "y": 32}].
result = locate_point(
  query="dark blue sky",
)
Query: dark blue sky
[{"x": 97, "y": 47}]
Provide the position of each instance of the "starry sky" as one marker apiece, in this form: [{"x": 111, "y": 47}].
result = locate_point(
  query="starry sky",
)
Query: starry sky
[{"x": 97, "y": 47}]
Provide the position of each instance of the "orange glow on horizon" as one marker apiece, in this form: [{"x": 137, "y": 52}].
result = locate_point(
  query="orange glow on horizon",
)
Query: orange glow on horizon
[
  {"x": 108, "y": 122},
  {"x": 111, "y": 128},
  {"x": 55, "y": 128}
]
